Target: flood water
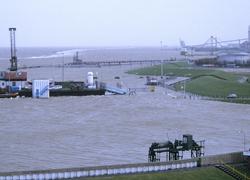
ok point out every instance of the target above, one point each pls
(62, 132)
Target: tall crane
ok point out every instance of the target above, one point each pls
(13, 60)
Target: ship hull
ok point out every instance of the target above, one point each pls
(62, 92)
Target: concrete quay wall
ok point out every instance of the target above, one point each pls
(98, 170)
(236, 157)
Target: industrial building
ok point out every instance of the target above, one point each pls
(234, 58)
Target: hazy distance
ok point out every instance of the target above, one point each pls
(122, 22)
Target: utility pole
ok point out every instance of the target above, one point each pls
(161, 68)
(244, 139)
(63, 68)
(161, 61)
(184, 89)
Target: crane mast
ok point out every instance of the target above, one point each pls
(13, 60)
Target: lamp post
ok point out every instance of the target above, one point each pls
(184, 88)
(244, 139)
(161, 68)
(63, 67)
(161, 59)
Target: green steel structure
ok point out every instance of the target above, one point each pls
(174, 151)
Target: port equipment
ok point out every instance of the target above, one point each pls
(76, 59)
(174, 151)
(13, 60)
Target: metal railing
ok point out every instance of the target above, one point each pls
(234, 170)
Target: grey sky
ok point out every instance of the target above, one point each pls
(121, 22)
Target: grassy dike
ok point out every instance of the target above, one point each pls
(205, 82)
(206, 173)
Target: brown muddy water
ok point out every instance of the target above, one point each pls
(62, 132)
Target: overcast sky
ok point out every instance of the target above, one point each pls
(122, 22)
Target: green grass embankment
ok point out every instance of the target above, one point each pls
(171, 69)
(205, 82)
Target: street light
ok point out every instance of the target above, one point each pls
(63, 68)
(161, 44)
(161, 60)
(184, 89)
(244, 139)
(161, 68)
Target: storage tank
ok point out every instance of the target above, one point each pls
(90, 79)
(40, 88)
